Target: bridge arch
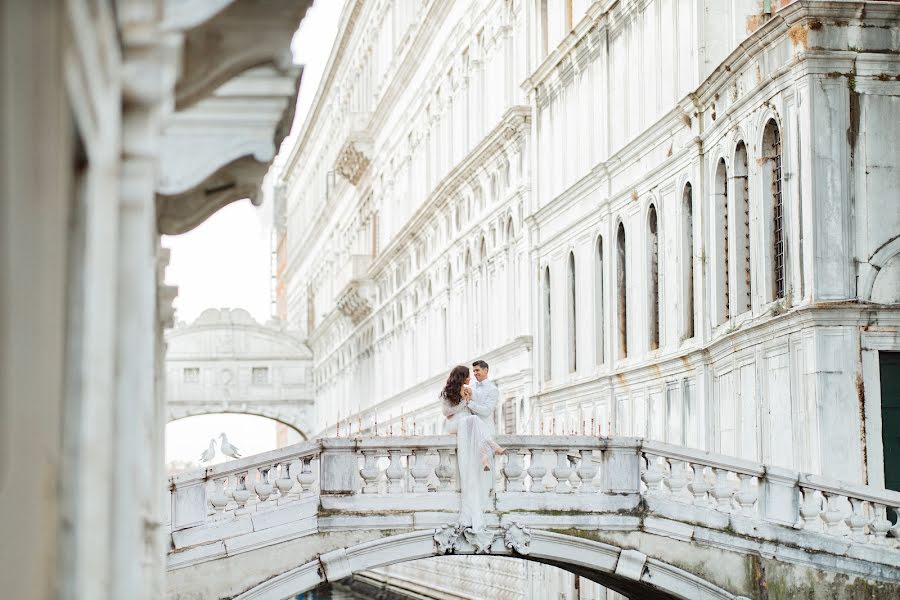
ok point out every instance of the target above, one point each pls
(300, 426)
(626, 571)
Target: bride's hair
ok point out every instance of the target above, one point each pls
(451, 391)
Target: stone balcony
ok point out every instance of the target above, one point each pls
(355, 290)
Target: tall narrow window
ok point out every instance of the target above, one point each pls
(721, 210)
(772, 152)
(653, 287)
(544, 27)
(742, 231)
(621, 296)
(573, 327)
(687, 224)
(568, 15)
(599, 316)
(548, 333)
(374, 235)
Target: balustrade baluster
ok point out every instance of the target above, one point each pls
(677, 479)
(284, 482)
(395, 473)
(880, 524)
(444, 470)
(811, 510)
(241, 494)
(832, 513)
(263, 486)
(722, 490)
(652, 475)
(306, 478)
(587, 471)
(370, 472)
(514, 471)
(895, 530)
(420, 471)
(562, 471)
(857, 520)
(746, 495)
(217, 498)
(537, 470)
(698, 486)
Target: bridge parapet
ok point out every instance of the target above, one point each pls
(538, 473)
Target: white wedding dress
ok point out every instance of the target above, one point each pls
(473, 442)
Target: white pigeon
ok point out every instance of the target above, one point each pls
(228, 449)
(209, 453)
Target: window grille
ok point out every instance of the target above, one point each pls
(777, 214)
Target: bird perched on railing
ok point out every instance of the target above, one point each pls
(209, 453)
(228, 449)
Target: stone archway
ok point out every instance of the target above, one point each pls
(627, 571)
(285, 418)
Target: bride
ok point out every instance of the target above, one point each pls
(475, 447)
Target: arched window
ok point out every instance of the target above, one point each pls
(599, 316)
(548, 333)
(687, 252)
(621, 296)
(573, 327)
(720, 200)
(653, 287)
(742, 229)
(482, 250)
(510, 231)
(772, 190)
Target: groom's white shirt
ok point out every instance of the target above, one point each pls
(484, 401)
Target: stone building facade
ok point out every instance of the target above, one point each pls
(657, 218)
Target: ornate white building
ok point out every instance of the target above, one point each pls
(662, 218)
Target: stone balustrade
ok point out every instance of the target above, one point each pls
(383, 475)
(245, 485)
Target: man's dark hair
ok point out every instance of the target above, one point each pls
(480, 363)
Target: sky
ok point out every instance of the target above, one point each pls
(226, 261)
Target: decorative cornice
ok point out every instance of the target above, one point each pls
(243, 35)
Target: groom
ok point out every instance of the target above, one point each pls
(484, 395)
(483, 403)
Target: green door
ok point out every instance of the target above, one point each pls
(889, 365)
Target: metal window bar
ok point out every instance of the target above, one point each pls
(747, 277)
(777, 216)
(726, 289)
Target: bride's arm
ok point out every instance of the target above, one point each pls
(451, 409)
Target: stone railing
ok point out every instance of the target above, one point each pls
(539, 473)
(245, 485)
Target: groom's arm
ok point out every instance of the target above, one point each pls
(485, 401)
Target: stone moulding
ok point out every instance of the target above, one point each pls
(218, 151)
(242, 35)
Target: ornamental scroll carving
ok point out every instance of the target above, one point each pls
(352, 163)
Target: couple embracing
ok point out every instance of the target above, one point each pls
(470, 415)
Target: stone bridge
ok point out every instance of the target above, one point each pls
(227, 362)
(647, 519)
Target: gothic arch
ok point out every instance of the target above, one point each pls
(628, 571)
